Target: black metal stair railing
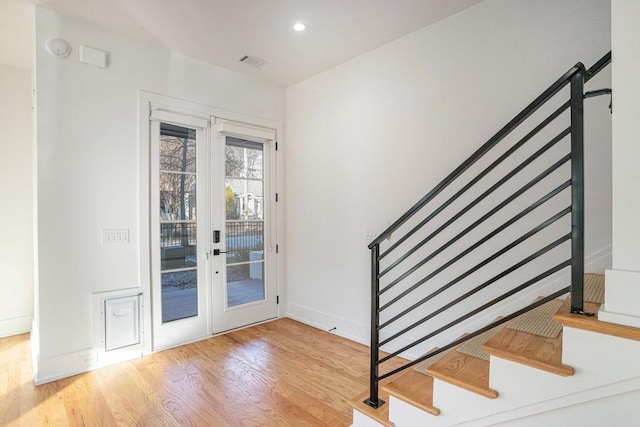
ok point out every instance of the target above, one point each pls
(575, 78)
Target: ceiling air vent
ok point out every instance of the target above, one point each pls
(254, 61)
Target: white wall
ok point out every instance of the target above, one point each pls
(16, 221)
(88, 169)
(623, 280)
(368, 138)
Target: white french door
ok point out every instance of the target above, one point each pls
(245, 225)
(180, 291)
(212, 227)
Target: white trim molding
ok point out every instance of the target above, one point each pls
(621, 296)
(15, 326)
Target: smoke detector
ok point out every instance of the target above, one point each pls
(58, 48)
(254, 61)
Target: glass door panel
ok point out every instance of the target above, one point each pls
(178, 227)
(244, 200)
(179, 292)
(247, 291)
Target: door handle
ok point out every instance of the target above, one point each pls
(218, 252)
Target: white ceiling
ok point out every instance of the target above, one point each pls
(222, 31)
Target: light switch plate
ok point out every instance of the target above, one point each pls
(115, 236)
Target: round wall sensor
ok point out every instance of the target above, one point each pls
(58, 48)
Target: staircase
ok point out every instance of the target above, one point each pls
(519, 375)
(469, 286)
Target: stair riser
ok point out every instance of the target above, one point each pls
(361, 420)
(461, 404)
(404, 414)
(604, 389)
(605, 366)
(542, 398)
(598, 358)
(601, 406)
(523, 385)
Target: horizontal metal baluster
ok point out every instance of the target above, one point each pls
(469, 293)
(484, 307)
(486, 328)
(464, 210)
(481, 175)
(515, 195)
(499, 136)
(521, 214)
(479, 266)
(487, 146)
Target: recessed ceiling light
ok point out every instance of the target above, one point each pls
(299, 26)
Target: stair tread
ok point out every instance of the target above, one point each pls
(414, 388)
(591, 323)
(530, 349)
(472, 373)
(593, 288)
(464, 371)
(380, 414)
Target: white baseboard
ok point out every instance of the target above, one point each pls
(345, 328)
(34, 341)
(62, 366)
(606, 315)
(78, 362)
(15, 326)
(548, 407)
(597, 262)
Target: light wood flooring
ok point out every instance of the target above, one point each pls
(281, 373)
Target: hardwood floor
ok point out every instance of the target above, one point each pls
(281, 373)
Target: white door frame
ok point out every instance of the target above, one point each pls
(195, 327)
(227, 318)
(146, 102)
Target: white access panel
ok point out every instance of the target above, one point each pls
(122, 322)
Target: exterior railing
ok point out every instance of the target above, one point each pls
(240, 235)
(244, 235)
(177, 234)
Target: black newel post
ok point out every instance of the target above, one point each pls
(577, 192)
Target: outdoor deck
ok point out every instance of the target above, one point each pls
(179, 303)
